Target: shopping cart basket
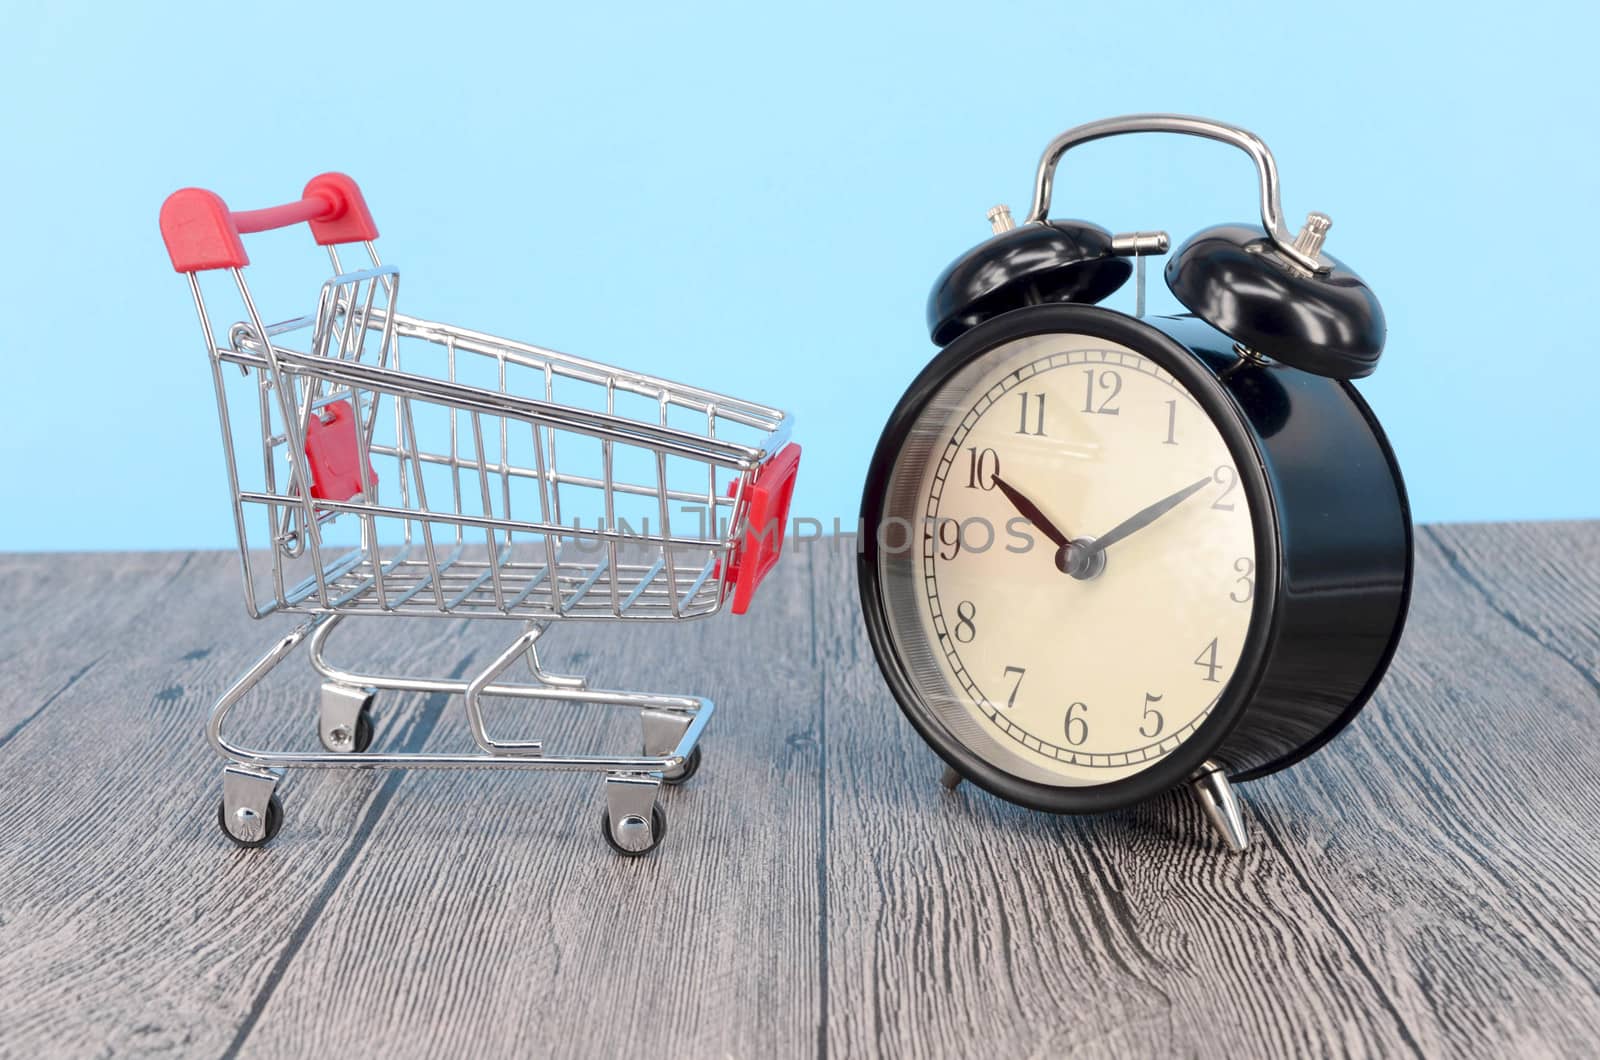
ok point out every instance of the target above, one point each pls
(382, 464)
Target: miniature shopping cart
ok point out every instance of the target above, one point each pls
(381, 464)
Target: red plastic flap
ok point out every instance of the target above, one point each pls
(334, 456)
(201, 233)
(349, 221)
(769, 494)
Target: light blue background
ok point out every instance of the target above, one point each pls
(757, 197)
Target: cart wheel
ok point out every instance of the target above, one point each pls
(691, 766)
(658, 831)
(274, 823)
(360, 734)
(364, 729)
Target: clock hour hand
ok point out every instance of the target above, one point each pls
(1031, 512)
(1144, 517)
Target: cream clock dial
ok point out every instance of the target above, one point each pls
(1087, 557)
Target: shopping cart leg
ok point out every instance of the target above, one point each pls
(344, 710)
(250, 813)
(473, 697)
(665, 720)
(671, 732)
(540, 674)
(633, 821)
(664, 731)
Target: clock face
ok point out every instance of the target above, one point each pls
(1070, 573)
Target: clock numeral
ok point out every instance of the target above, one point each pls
(966, 628)
(1077, 727)
(1038, 420)
(1228, 479)
(1011, 700)
(1150, 715)
(953, 542)
(982, 468)
(1109, 380)
(1246, 567)
(1172, 423)
(1207, 661)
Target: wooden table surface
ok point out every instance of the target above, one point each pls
(1428, 885)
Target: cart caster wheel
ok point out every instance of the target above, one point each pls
(691, 766)
(345, 726)
(274, 823)
(351, 741)
(633, 832)
(364, 730)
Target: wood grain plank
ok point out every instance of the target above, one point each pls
(59, 614)
(1410, 892)
(1541, 577)
(1425, 886)
(1448, 833)
(128, 924)
(960, 923)
(486, 917)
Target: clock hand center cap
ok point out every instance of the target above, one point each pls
(1080, 559)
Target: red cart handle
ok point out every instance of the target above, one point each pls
(768, 494)
(202, 233)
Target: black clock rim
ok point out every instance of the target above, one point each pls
(1355, 706)
(1179, 766)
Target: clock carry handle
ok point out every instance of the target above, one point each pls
(1248, 142)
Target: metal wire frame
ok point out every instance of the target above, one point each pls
(694, 711)
(462, 555)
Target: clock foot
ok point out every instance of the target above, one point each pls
(1217, 799)
(950, 778)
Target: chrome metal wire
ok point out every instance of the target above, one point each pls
(462, 431)
(461, 506)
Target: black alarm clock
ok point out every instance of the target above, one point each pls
(1104, 555)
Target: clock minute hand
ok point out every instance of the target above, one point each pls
(1031, 512)
(1146, 516)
